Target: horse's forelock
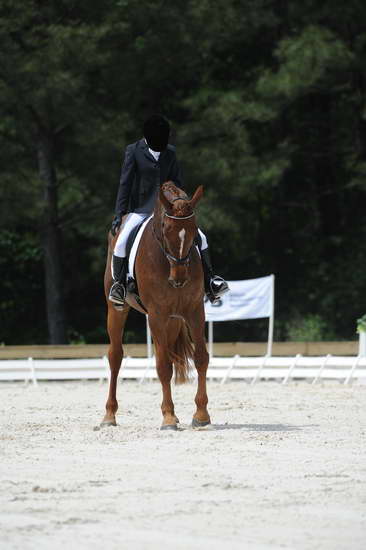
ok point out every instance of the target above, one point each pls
(172, 192)
(182, 208)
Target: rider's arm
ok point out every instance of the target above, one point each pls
(126, 181)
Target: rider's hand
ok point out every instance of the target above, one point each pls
(116, 223)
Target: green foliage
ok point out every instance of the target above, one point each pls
(305, 62)
(361, 324)
(21, 290)
(266, 100)
(311, 328)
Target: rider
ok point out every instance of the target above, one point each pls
(148, 163)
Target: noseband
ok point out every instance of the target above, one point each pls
(179, 217)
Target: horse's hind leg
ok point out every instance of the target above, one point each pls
(201, 359)
(115, 324)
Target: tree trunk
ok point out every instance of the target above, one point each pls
(51, 244)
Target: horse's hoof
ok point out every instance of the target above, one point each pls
(107, 423)
(169, 427)
(200, 423)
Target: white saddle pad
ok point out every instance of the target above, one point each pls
(132, 258)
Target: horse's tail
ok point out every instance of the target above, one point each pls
(182, 355)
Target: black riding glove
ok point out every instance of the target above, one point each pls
(116, 223)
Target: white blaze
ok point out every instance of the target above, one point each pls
(182, 234)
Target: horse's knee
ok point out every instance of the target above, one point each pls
(115, 358)
(115, 354)
(201, 362)
(165, 372)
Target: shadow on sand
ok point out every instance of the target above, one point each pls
(259, 427)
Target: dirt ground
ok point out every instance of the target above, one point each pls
(282, 467)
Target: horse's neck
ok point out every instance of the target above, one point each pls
(157, 219)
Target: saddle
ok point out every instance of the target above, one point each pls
(131, 238)
(131, 250)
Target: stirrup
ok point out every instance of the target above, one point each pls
(117, 294)
(218, 286)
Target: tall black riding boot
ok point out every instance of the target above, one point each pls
(215, 286)
(117, 294)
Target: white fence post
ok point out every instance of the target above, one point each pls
(271, 319)
(148, 338)
(33, 371)
(149, 365)
(362, 343)
(106, 369)
(257, 374)
(289, 372)
(230, 368)
(354, 367)
(125, 361)
(210, 339)
(321, 368)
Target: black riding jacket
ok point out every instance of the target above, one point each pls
(142, 176)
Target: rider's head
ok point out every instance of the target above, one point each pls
(156, 132)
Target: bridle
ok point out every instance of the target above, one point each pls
(179, 217)
(170, 257)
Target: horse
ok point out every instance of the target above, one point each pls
(169, 277)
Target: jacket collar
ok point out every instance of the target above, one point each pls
(145, 148)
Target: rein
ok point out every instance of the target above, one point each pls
(179, 261)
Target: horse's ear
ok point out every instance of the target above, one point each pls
(164, 201)
(196, 197)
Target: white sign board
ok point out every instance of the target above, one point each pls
(248, 299)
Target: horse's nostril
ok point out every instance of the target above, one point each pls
(180, 284)
(177, 284)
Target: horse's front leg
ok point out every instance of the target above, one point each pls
(115, 324)
(201, 358)
(164, 368)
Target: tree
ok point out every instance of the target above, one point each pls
(47, 76)
(267, 101)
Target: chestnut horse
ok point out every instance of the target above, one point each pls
(169, 276)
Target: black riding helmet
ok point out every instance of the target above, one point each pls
(156, 132)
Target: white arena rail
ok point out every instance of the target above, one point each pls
(252, 369)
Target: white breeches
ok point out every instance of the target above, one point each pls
(203, 240)
(132, 221)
